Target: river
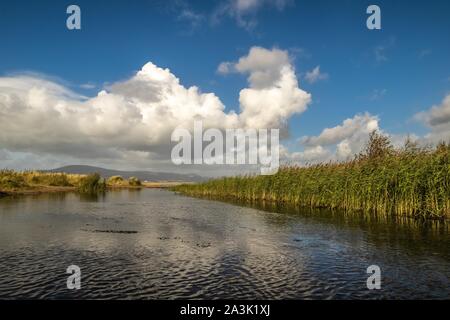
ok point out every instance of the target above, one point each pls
(155, 244)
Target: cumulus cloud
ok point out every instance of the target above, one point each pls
(359, 124)
(343, 141)
(273, 88)
(311, 155)
(226, 68)
(340, 142)
(437, 118)
(131, 121)
(263, 66)
(315, 75)
(437, 115)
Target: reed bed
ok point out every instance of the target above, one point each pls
(29, 180)
(410, 181)
(11, 180)
(119, 181)
(92, 183)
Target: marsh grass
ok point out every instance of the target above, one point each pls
(133, 181)
(118, 181)
(18, 180)
(29, 180)
(92, 183)
(410, 181)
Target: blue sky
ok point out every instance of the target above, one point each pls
(394, 73)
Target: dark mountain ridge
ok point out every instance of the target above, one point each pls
(142, 175)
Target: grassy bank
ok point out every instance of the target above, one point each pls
(410, 181)
(14, 182)
(29, 181)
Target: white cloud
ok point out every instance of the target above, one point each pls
(437, 115)
(311, 155)
(244, 11)
(225, 68)
(193, 18)
(274, 94)
(131, 121)
(437, 118)
(340, 142)
(344, 141)
(315, 75)
(264, 66)
(243, 6)
(359, 124)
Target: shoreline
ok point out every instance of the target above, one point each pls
(53, 189)
(36, 190)
(278, 206)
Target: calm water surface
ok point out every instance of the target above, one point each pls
(154, 244)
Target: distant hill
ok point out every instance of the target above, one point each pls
(142, 175)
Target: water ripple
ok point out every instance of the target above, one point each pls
(163, 246)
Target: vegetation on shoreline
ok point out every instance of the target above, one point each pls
(11, 180)
(92, 183)
(118, 181)
(29, 181)
(410, 181)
